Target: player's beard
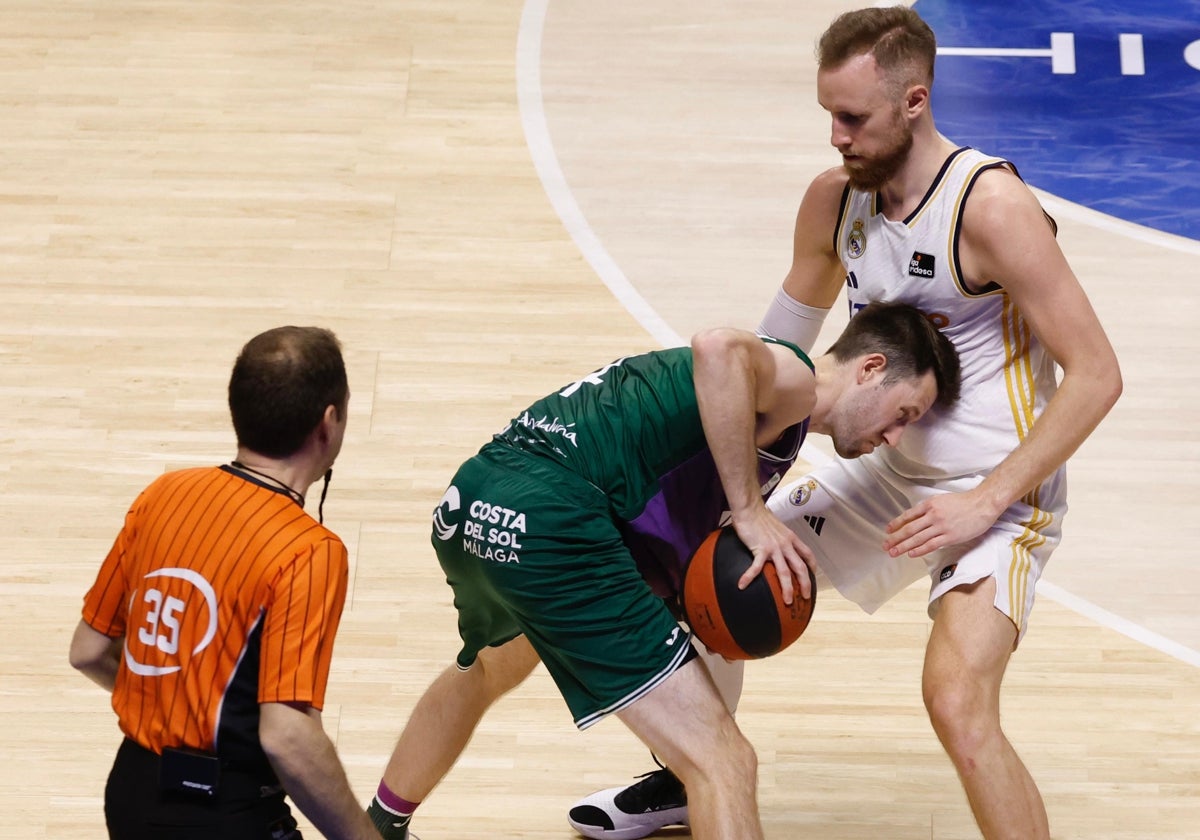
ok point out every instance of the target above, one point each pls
(850, 449)
(849, 424)
(868, 174)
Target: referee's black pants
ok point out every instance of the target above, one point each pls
(248, 805)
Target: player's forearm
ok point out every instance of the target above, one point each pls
(308, 767)
(725, 393)
(1082, 401)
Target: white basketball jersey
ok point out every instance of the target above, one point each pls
(1007, 377)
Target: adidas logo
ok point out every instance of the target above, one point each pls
(816, 523)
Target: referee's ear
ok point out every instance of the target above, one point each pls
(331, 430)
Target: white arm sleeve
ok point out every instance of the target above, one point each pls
(791, 320)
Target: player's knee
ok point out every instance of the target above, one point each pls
(747, 759)
(946, 701)
(502, 669)
(741, 754)
(962, 715)
(729, 762)
(736, 754)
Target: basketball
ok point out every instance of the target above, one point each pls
(737, 623)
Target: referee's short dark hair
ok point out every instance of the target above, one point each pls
(282, 382)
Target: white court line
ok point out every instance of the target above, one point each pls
(1122, 625)
(545, 161)
(1056, 206)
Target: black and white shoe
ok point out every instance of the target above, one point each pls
(637, 810)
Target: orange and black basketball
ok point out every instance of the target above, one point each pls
(737, 623)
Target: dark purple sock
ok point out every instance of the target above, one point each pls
(395, 804)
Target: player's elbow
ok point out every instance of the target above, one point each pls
(1116, 389)
(1109, 387)
(1099, 382)
(715, 342)
(723, 349)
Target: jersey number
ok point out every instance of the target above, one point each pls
(591, 379)
(163, 615)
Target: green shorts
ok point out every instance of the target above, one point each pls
(532, 548)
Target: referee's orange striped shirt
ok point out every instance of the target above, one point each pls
(228, 595)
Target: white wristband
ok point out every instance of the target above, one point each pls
(790, 320)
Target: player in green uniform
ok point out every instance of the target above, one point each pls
(563, 535)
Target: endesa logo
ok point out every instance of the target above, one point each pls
(921, 265)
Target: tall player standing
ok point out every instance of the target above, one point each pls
(975, 496)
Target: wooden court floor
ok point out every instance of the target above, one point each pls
(179, 176)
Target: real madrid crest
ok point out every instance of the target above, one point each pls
(801, 493)
(856, 242)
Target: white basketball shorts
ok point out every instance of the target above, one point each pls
(841, 510)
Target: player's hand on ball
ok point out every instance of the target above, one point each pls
(736, 620)
(772, 541)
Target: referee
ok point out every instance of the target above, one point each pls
(212, 620)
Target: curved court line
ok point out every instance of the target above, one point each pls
(1056, 206)
(545, 161)
(1122, 625)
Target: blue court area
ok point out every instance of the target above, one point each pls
(1095, 101)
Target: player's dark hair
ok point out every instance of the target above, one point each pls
(911, 343)
(282, 382)
(903, 45)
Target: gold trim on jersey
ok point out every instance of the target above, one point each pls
(1022, 557)
(1018, 369)
(1018, 378)
(843, 223)
(952, 234)
(938, 185)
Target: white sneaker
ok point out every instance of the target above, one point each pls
(628, 813)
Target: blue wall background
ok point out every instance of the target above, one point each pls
(1126, 145)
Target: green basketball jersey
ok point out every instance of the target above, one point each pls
(628, 426)
(620, 428)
